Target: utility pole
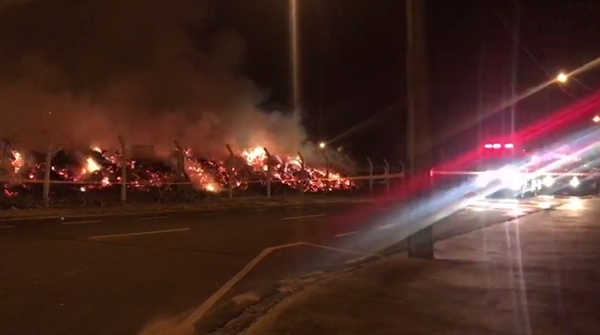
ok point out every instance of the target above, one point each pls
(514, 68)
(480, 101)
(420, 245)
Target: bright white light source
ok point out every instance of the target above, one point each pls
(574, 182)
(515, 213)
(497, 146)
(322, 145)
(509, 145)
(545, 205)
(548, 181)
(574, 204)
(511, 178)
(488, 146)
(485, 178)
(562, 78)
(596, 119)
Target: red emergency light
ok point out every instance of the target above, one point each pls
(498, 146)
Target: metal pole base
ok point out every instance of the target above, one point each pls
(420, 244)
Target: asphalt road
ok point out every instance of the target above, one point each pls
(114, 275)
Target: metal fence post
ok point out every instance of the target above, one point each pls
(3, 155)
(403, 167)
(370, 175)
(327, 181)
(181, 174)
(123, 169)
(387, 175)
(47, 167)
(231, 170)
(303, 171)
(268, 172)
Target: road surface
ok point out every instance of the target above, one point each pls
(114, 275)
(538, 274)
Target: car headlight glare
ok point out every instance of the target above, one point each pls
(574, 182)
(548, 181)
(485, 178)
(511, 178)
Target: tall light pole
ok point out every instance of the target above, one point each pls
(294, 55)
(418, 127)
(420, 245)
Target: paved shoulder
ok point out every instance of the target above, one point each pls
(535, 275)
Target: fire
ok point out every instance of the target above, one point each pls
(92, 166)
(18, 162)
(199, 177)
(250, 169)
(255, 156)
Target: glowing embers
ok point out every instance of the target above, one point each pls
(252, 168)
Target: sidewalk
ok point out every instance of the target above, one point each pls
(538, 275)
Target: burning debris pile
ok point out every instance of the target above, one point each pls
(96, 169)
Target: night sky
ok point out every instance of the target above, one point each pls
(352, 56)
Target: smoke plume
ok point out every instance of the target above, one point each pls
(81, 73)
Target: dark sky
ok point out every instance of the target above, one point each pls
(352, 57)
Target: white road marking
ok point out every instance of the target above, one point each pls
(81, 222)
(259, 210)
(509, 207)
(210, 302)
(214, 213)
(6, 226)
(345, 234)
(359, 259)
(303, 217)
(516, 213)
(140, 233)
(154, 218)
(387, 226)
(347, 251)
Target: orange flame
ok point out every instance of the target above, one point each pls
(92, 166)
(18, 162)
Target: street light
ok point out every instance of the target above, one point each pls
(562, 78)
(322, 145)
(596, 119)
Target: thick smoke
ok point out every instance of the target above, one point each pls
(81, 73)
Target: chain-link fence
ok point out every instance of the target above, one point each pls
(97, 178)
